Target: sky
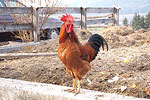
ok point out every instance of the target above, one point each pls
(80, 3)
(76, 3)
(85, 3)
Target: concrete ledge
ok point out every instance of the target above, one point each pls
(8, 48)
(11, 89)
(17, 47)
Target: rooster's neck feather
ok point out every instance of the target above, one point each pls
(63, 35)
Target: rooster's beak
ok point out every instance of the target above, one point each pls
(69, 27)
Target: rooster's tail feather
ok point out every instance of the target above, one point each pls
(96, 41)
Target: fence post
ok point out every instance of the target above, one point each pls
(116, 16)
(35, 22)
(83, 18)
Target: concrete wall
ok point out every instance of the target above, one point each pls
(11, 89)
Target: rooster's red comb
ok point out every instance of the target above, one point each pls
(66, 17)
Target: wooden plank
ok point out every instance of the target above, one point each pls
(116, 16)
(99, 10)
(97, 26)
(71, 10)
(77, 10)
(14, 27)
(83, 18)
(99, 21)
(92, 17)
(48, 25)
(61, 10)
(36, 26)
(15, 10)
(103, 16)
(10, 55)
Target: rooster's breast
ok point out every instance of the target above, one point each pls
(69, 53)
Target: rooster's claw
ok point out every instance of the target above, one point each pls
(70, 90)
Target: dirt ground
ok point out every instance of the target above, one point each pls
(124, 69)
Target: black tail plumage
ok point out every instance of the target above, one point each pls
(96, 41)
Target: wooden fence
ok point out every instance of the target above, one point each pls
(84, 21)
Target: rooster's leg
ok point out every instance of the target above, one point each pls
(78, 90)
(74, 86)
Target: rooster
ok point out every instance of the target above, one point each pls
(76, 56)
